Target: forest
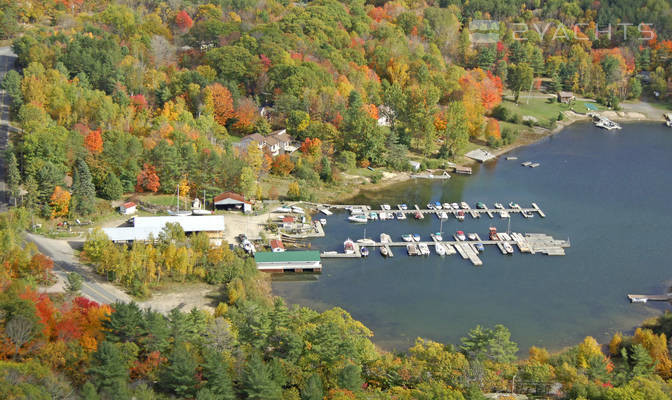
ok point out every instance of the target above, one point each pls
(112, 98)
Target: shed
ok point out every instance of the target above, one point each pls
(277, 246)
(415, 165)
(128, 208)
(232, 201)
(462, 170)
(289, 261)
(565, 97)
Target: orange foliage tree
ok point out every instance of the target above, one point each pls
(222, 103)
(183, 21)
(245, 114)
(148, 179)
(492, 129)
(94, 141)
(282, 165)
(372, 111)
(59, 202)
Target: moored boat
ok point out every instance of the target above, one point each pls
(418, 215)
(424, 249)
(358, 218)
(323, 221)
(493, 233)
(364, 251)
(508, 248)
(460, 215)
(459, 235)
(499, 206)
(455, 206)
(416, 237)
(479, 246)
(472, 236)
(404, 206)
(437, 237)
(383, 251)
(401, 215)
(349, 246)
(442, 215)
(407, 237)
(504, 214)
(368, 241)
(440, 250)
(412, 249)
(481, 205)
(514, 205)
(464, 205)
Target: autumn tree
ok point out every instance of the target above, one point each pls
(282, 165)
(148, 179)
(221, 103)
(94, 141)
(59, 202)
(183, 21)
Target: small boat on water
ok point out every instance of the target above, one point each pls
(481, 205)
(508, 248)
(437, 237)
(364, 251)
(349, 246)
(511, 158)
(472, 236)
(526, 163)
(358, 218)
(442, 215)
(412, 249)
(323, 221)
(504, 214)
(479, 246)
(424, 249)
(493, 233)
(437, 205)
(464, 205)
(386, 207)
(383, 251)
(499, 206)
(407, 237)
(455, 206)
(404, 206)
(416, 237)
(418, 215)
(440, 250)
(401, 215)
(460, 215)
(459, 235)
(514, 205)
(527, 214)
(367, 241)
(668, 119)
(385, 238)
(447, 206)
(373, 216)
(534, 165)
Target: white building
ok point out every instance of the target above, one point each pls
(128, 208)
(145, 227)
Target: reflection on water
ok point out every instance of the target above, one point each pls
(609, 193)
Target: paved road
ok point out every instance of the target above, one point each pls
(7, 60)
(65, 261)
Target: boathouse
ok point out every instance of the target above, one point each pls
(232, 201)
(566, 97)
(288, 261)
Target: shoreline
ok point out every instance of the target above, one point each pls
(629, 113)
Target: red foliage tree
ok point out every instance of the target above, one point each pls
(183, 21)
(94, 141)
(139, 102)
(148, 179)
(282, 165)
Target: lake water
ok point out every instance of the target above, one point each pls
(609, 193)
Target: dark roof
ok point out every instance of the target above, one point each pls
(271, 140)
(287, 256)
(230, 195)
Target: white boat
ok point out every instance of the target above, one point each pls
(416, 237)
(526, 163)
(472, 236)
(407, 237)
(455, 206)
(464, 205)
(403, 206)
(412, 249)
(460, 215)
(359, 218)
(349, 246)
(424, 249)
(383, 251)
(447, 206)
(373, 216)
(605, 123)
(283, 210)
(298, 210)
(201, 212)
(499, 206)
(459, 235)
(440, 250)
(508, 248)
(534, 165)
(514, 205)
(385, 238)
(323, 221)
(504, 214)
(386, 207)
(364, 252)
(366, 241)
(668, 119)
(638, 300)
(437, 237)
(401, 215)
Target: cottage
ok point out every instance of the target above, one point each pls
(288, 261)
(566, 97)
(128, 208)
(283, 141)
(288, 222)
(277, 246)
(232, 201)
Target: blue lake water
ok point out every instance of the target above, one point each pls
(609, 193)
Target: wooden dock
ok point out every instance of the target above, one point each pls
(643, 298)
(528, 243)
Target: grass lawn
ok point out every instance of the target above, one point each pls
(543, 110)
(161, 199)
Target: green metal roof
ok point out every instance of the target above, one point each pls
(287, 256)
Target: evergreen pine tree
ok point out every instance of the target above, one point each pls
(89, 392)
(108, 370)
(350, 377)
(179, 376)
(313, 389)
(219, 381)
(257, 381)
(13, 176)
(83, 190)
(111, 189)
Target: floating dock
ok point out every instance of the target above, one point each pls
(643, 298)
(532, 243)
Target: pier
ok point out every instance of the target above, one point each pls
(528, 243)
(643, 298)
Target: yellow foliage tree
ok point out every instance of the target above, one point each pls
(59, 202)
